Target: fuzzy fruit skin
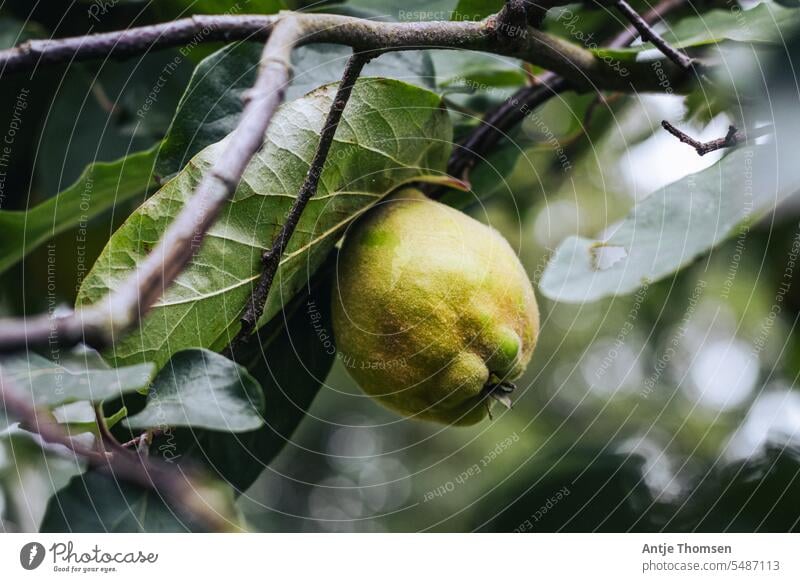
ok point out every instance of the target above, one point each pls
(429, 304)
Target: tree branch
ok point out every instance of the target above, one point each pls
(650, 17)
(272, 257)
(495, 125)
(584, 70)
(733, 138)
(647, 32)
(512, 22)
(99, 324)
(179, 487)
(134, 41)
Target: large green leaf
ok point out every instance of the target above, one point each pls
(212, 104)
(671, 227)
(757, 25)
(97, 502)
(78, 376)
(202, 390)
(391, 133)
(102, 186)
(290, 359)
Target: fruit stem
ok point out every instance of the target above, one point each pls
(499, 391)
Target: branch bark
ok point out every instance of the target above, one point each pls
(99, 324)
(272, 257)
(134, 41)
(577, 64)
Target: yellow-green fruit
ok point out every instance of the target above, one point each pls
(431, 309)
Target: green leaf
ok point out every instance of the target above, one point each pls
(489, 175)
(392, 133)
(474, 79)
(121, 109)
(102, 186)
(290, 359)
(476, 9)
(75, 377)
(703, 106)
(203, 390)
(391, 10)
(757, 25)
(319, 64)
(184, 8)
(96, 502)
(212, 104)
(31, 471)
(670, 228)
(476, 71)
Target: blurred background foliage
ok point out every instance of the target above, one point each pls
(674, 408)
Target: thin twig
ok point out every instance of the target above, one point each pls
(679, 58)
(179, 486)
(272, 257)
(99, 324)
(652, 16)
(733, 138)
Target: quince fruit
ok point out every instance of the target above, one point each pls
(433, 314)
